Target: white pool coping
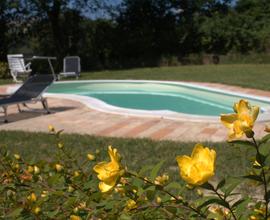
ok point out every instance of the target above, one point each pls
(101, 106)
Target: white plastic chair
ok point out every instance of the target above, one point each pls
(17, 66)
(71, 67)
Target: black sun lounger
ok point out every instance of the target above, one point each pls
(30, 91)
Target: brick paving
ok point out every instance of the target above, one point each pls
(74, 117)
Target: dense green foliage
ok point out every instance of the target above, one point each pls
(135, 32)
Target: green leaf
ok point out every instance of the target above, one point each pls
(231, 185)
(174, 185)
(109, 205)
(265, 139)
(208, 202)
(150, 194)
(52, 214)
(215, 216)
(15, 213)
(240, 201)
(267, 196)
(221, 184)
(137, 182)
(208, 186)
(215, 201)
(58, 133)
(260, 158)
(242, 143)
(155, 170)
(242, 210)
(254, 177)
(171, 209)
(144, 170)
(125, 217)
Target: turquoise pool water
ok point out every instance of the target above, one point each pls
(155, 96)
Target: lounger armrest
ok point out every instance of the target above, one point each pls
(27, 66)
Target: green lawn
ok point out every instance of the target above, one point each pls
(246, 75)
(135, 152)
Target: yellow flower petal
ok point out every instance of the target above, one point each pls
(105, 187)
(228, 119)
(109, 172)
(198, 168)
(242, 121)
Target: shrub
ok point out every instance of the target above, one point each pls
(4, 71)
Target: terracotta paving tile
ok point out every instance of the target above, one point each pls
(209, 131)
(110, 129)
(163, 132)
(141, 128)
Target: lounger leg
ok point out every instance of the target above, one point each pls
(45, 105)
(5, 113)
(19, 108)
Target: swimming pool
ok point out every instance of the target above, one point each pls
(156, 98)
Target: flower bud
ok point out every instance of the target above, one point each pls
(76, 173)
(36, 210)
(76, 209)
(51, 129)
(161, 180)
(30, 169)
(82, 205)
(60, 145)
(75, 217)
(158, 200)
(17, 156)
(130, 204)
(36, 170)
(199, 192)
(59, 167)
(32, 197)
(44, 194)
(91, 157)
(70, 189)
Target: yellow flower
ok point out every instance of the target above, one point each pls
(110, 172)
(58, 167)
(242, 121)
(91, 157)
(161, 180)
(130, 204)
(199, 168)
(75, 217)
(32, 197)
